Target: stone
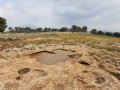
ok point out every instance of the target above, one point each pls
(84, 62)
(15, 49)
(116, 74)
(23, 70)
(6, 50)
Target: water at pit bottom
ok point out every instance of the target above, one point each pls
(52, 58)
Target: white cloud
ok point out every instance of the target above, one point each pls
(7, 10)
(103, 14)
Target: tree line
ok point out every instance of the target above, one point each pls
(73, 28)
(100, 32)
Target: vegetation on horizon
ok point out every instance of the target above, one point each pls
(100, 32)
(73, 28)
(23, 36)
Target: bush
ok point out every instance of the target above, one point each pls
(63, 29)
(100, 33)
(116, 34)
(94, 31)
(108, 34)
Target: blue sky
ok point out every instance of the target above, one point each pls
(102, 15)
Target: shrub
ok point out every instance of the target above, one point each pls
(100, 32)
(94, 31)
(116, 34)
(108, 34)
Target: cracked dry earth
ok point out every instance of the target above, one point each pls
(88, 69)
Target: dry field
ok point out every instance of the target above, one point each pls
(9, 40)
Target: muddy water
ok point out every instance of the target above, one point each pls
(52, 58)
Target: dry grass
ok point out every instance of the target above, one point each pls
(18, 40)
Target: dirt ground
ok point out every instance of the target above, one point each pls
(90, 68)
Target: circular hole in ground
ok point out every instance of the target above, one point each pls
(49, 58)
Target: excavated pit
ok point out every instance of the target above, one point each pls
(54, 57)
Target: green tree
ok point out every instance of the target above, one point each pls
(54, 30)
(84, 28)
(116, 34)
(100, 32)
(3, 24)
(94, 31)
(75, 28)
(63, 29)
(10, 28)
(39, 30)
(108, 33)
(45, 29)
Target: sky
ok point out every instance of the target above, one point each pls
(95, 14)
